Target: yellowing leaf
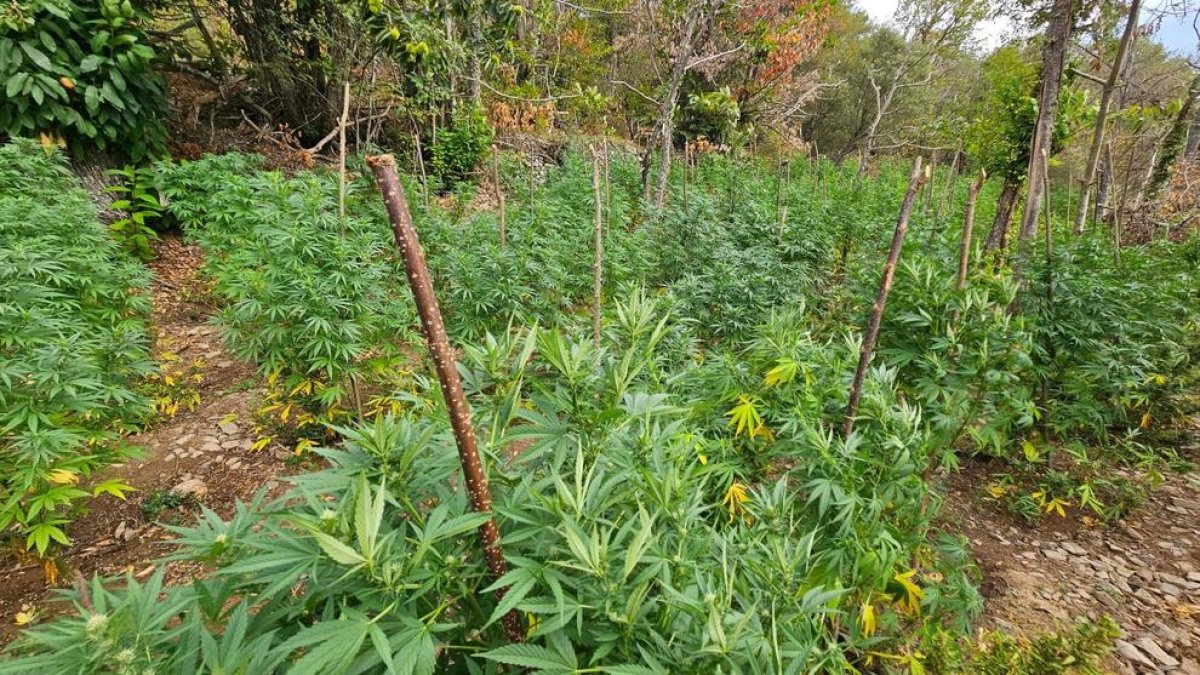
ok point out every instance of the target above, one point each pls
(26, 616)
(304, 445)
(744, 416)
(261, 443)
(1145, 424)
(1031, 451)
(996, 490)
(67, 82)
(735, 500)
(911, 593)
(866, 619)
(784, 371)
(1056, 505)
(63, 477)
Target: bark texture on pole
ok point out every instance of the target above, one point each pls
(597, 262)
(915, 180)
(1089, 171)
(1054, 56)
(384, 168)
(964, 248)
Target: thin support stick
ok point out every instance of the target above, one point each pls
(342, 156)
(964, 247)
(597, 279)
(421, 165)
(607, 187)
(499, 197)
(384, 168)
(915, 181)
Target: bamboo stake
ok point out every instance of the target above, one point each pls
(964, 248)
(384, 168)
(342, 156)
(915, 181)
(597, 279)
(499, 196)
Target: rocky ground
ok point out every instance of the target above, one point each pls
(1143, 571)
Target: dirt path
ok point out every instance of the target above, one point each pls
(1143, 571)
(201, 456)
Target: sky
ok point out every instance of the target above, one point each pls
(1176, 33)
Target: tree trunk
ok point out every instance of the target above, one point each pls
(915, 179)
(1054, 54)
(474, 47)
(998, 238)
(1193, 142)
(695, 22)
(384, 168)
(1173, 143)
(1103, 183)
(1089, 171)
(882, 103)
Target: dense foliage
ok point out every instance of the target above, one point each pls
(72, 346)
(679, 496)
(80, 71)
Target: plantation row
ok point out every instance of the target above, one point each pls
(73, 347)
(677, 497)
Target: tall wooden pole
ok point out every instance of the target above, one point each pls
(384, 168)
(342, 121)
(598, 236)
(915, 180)
(499, 196)
(964, 247)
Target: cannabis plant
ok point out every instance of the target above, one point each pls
(73, 346)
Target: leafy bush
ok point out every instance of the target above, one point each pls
(138, 198)
(82, 71)
(72, 317)
(461, 147)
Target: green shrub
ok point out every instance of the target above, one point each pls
(82, 71)
(461, 147)
(73, 326)
(138, 199)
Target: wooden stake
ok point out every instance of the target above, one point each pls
(781, 209)
(607, 188)
(421, 165)
(915, 180)
(499, 196)
(687, 161)
(342, 121)
(597, 280)
(384, 168)
(964, 247)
